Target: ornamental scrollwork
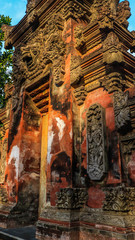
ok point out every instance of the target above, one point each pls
(121, 110)
(96, 143)
(71, 198)
(119, 199)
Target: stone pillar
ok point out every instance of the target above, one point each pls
(43, 164)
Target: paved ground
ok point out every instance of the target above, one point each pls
(25, 233)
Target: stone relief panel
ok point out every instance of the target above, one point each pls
(45, 50)
(119, 199)
(96, 142)
(107, 10)
(121, 110)
(123, 13)
(112, 49)
(71, 198)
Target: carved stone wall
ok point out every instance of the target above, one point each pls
(69, 198)
(96, 150)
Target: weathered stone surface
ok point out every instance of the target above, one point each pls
(69, 198)
(96, 159)
(120, 199)
(122, 111)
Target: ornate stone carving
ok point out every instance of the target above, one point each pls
(79, 37)
(107, 10)
(75, 10)
(113, 82)
(121, 110)
(19, 69)
(76, 70)
(96, 158)
(71, 198)
(105, 23)
(119, 199)
(2, 130)
(76, 79)
(103, 10)
(32, 17)
(80, 94)
(45, 50)
(30, 5)
(127, 145)
(123, 13)
(32, 14)
(112, 49)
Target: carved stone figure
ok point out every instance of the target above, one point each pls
(75, 10)
(71, 198)
(121, 110)
(123, 13)
(112, 49)
(96, 159)
(46, 50)
(100, 9)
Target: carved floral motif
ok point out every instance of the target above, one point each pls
(108, 10)
(71, 198)
(46, 49)
(121, 110)
(102, 9)
(119, 199)
(96, 160)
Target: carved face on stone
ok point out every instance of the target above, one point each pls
(30, 55)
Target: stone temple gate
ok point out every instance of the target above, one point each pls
(67, 154)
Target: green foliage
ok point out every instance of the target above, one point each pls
(5, 61)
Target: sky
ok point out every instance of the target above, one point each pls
(15, 9)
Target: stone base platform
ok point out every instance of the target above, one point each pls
(85, 224)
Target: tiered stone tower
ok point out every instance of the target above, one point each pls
(68, 128)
